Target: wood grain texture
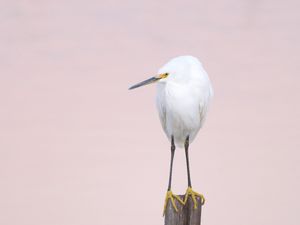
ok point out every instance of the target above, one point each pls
(186, 214)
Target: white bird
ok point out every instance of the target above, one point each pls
(183, 96)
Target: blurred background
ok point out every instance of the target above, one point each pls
(77, 148)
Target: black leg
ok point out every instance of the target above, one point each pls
(186, 147)
(171, 163)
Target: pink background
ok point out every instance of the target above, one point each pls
(77, 148)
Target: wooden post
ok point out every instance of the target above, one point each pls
(186, 214)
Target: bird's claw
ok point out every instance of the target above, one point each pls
(193, 194)
(172, 197)
(189, 192)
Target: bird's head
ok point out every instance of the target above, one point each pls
(177, 70)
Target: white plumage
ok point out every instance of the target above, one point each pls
(183, 95)
(183, 98)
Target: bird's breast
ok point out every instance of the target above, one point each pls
(179, 112)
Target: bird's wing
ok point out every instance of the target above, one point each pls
(204, 105)
(161, 107)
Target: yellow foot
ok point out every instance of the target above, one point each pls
(193, 194)
(172, 197)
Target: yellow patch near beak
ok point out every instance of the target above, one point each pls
(163, 75)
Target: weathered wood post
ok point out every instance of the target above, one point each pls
(186, 214)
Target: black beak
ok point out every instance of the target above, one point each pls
(145, 82)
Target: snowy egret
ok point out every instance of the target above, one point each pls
(183, 95)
